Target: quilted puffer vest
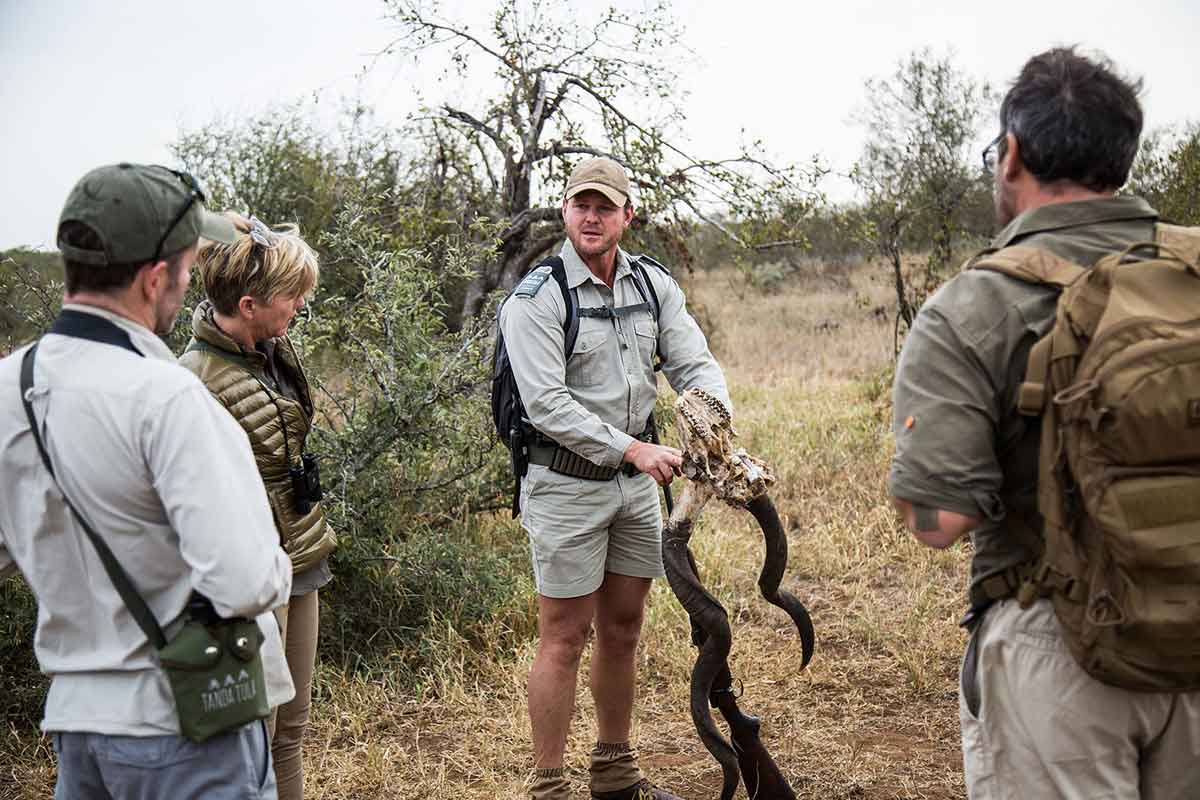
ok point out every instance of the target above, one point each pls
(239, 379)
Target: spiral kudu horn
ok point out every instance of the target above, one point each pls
(714, 467)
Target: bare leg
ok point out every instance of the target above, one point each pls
(620, 608)
(563, 632)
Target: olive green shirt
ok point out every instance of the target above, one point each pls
(597, 401)
(961, 444)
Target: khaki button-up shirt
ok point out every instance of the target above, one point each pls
(596, 403)
(166, 477)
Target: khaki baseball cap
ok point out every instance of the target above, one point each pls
(140, 212)
(601, 175)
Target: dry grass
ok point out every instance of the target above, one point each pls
(874, 715)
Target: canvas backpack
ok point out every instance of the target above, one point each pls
(508, 412)
(1116, 383)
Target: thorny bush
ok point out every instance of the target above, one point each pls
(406, 451)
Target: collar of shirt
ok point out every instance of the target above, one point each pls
(205, 329)
(1055, 216)
(143, 338)
(578, 272)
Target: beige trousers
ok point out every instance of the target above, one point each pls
(1038, 726)
(298, 622)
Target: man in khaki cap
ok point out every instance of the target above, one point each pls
(165, 479)
(590, 497)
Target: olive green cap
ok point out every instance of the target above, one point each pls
(136, 211)
(600, 175)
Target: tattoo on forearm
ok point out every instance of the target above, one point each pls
(926, 518)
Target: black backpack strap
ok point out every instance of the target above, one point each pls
(133, 601)
(570, 296)
(650, 295)
(652, 262)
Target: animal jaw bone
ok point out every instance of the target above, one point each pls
(706, 438)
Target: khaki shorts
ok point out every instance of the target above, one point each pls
(1038, 726)
(580, 529)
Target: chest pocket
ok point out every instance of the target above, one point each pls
(646, 331)
(585, 367)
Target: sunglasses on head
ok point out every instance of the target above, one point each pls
(195, 192)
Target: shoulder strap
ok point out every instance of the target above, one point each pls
(651, 297)
(1029, 264)
(571, 296)
(558, 271)
(645, 259)
(1180, 240)
(648, 294)
(133, 601)
(1037, 266)
(94, 328)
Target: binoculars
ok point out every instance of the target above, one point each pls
(306, 483)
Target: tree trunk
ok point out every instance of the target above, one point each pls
(506, 269)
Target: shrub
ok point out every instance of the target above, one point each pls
(408, 454)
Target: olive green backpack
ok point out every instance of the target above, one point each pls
(1116, 382)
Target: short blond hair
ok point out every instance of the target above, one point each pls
(285, 265)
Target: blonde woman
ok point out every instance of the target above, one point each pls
(241, 351)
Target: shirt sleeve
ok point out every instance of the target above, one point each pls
(687, 361)
(945, 417)
(206, 478)
(533, 336)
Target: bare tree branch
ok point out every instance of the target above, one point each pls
(559, 149)
(522, 221)
(534, 248)
(485, 129)
(418, 21)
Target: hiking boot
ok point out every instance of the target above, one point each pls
(642, 790)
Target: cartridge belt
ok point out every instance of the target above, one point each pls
(547, 453)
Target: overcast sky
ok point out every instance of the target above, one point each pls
(83, 82)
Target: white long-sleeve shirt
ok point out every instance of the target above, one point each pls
(166, 477)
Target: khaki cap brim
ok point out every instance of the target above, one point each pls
(217, 228)
(604, 189)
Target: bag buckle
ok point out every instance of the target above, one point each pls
(1031, 399)
(1103, 611)
(1031, 589)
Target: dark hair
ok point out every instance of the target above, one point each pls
(1076, 119)
(80, 277)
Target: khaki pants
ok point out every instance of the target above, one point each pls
(1038, 726)
(298, 622)
(234, 765)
